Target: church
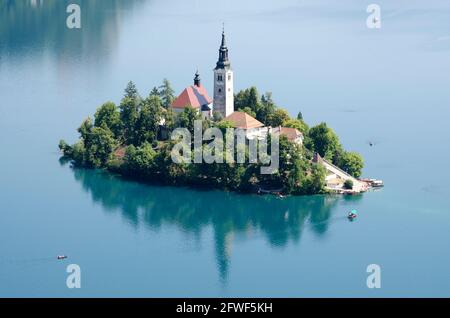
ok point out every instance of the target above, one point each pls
(197, 97)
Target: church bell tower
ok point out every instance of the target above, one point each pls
(223, 82)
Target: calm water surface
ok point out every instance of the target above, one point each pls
(389, 86)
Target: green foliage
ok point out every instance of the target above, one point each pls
(300, 116)
(324, 141)
(86, 128)
(298, 124)
(277, 118)
(249, 111)
(351, 162)
(290, 164)
(98, 147)
(65, 148)
(247, 99)
(129, 114)
(169, 118)
(262, 107)
(136, 126)
(187, 117)
(224, 124)
(131, 91)
(108, 117)
(78, 153)
(314, 181)
(168, 171)
(267, 107)
(140, 160)
(154, 91)
(147, 125)
(95, 146)
(166, 93)
(348, 184)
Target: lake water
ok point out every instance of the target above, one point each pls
(388, 85)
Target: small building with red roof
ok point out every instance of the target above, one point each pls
(252, 127)
(194, 96)
(292, 134)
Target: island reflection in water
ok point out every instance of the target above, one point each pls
(37, 27)
(279, 221)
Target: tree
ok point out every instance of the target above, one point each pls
(249, 111)
(99, 147)
(85, 129)
(300, 116)
(224, 124)
(316, 180)
(187, 117)
(277, 118)
(166, 93)
(65, 148)
(131, 91)
(267, 107)
(247, 98)
(348, 184)
(108, 116)
(147, 124)
(154, 91)
(169, 118)
(324, 141)
(291, 165)
(78, 153)
(129, 114)
(262, 108)
(351, 162)
(288, 173)
(140, 161)
(253, 99)
(298, 124)
(169, 171)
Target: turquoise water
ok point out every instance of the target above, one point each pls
(389, 86)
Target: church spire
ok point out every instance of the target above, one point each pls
(223, 61)
(223, 102)
(197, 79)
(223, 37)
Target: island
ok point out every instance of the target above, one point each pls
(135, 140)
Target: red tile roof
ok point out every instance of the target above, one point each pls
(120, 152)
(194, 96)
(243, 120)
(290, 133)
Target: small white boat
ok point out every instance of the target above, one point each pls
(377, 183)
(61, 257)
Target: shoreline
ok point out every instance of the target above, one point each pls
(255, 190)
